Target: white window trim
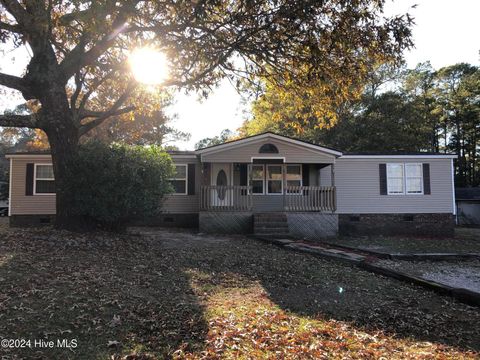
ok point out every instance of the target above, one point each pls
(282, 166)
(286, 179)
(421, 178)
(186, 180)
(35, 178)
(404, 179)
(250, 179)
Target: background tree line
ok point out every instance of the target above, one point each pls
(399, 109)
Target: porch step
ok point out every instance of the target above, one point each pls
(270, 224)
(271, 232)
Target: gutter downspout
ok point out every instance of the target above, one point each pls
(454, 206)
(10, 189)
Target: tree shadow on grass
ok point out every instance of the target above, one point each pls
(112, 295)
(318, 288)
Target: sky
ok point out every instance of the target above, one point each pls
(446, 32)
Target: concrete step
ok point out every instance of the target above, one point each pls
(267, 231)
(271, 228)
(270, 224)
(270, 216)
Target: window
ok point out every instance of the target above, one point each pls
(404, 179)
(274, 179)
(395, 179)
(294, 178)
(256, 179)
(268, 149)
(44, 180)
(179, 181)
(414, 178)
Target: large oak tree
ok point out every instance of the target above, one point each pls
(79, 52)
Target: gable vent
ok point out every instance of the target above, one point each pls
(268, 149)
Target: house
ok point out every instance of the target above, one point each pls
(269, 183)
(468, 206)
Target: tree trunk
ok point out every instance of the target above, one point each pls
(63, 137)
(63, 149)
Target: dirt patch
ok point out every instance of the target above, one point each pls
(458, 274)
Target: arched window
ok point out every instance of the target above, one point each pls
(268, 149)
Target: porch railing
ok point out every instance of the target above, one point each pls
(310, 198)
(295, 198)
(225, 198)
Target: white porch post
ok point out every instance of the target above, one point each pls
(332, 168)
(334, 189)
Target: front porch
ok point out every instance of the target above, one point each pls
(268, 199)
(268, 186)
(292, 199)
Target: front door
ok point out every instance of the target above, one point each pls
(222, 195)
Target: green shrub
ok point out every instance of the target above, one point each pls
(111, 185)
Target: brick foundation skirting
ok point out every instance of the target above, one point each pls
(312, 226)
(162, 220)
(31, 220)
(188, 221)
(436, 225)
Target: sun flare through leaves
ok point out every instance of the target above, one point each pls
(149, 66)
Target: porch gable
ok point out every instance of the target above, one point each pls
(249, 150)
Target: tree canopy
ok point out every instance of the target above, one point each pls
(426, 110)
(223, 137)
(78, 74)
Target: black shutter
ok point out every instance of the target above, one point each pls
(426, 179)
(306, 174)
(29, 179)
(191, 179)
(383, 178)
(243, 175)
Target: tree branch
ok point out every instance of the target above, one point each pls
(78, 89)
(114, 111)
(98, 114)
(17, 83)
(12, 120)
(94, 86)
(101, 117)
(18, 11)
(78, 57)
(10, 27)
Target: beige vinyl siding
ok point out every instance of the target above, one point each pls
(21, 204)
(45, 204)
(326, 176)
(184, 204)
(292, 153)
(358, 188)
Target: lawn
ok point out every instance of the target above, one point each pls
(191, 296)
(466, 240)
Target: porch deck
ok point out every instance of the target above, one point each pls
(293, 199)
